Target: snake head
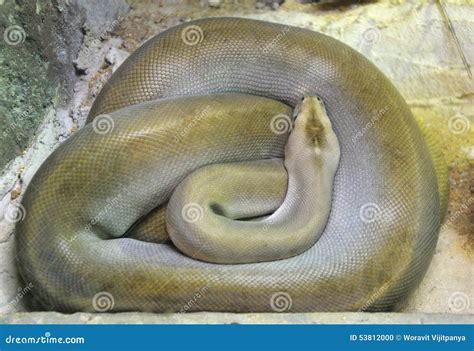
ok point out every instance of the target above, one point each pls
(312, 117)
(313, 127)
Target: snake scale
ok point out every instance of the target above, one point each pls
(98, 193)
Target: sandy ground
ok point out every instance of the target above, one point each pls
(408, 41)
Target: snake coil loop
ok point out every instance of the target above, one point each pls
(98, 193)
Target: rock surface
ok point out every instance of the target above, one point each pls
(236, 318)
(41, 39)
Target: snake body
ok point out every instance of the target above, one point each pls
(90, 196)
(311, 159)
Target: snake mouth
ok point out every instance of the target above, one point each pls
(311, 116)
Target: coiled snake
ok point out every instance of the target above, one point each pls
(203, 94)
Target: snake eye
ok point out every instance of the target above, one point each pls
(297, 109)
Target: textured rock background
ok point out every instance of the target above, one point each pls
(408, 40)
(41, 40)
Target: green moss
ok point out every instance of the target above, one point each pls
(25, 90)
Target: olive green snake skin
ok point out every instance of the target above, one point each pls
(205, 93)
(223, 195)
